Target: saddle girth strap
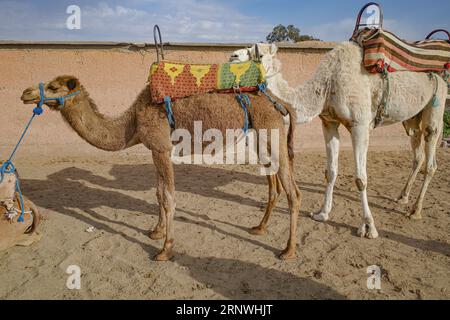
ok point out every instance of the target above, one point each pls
(245, 103)
(169, 112)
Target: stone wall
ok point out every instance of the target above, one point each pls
(114, 73)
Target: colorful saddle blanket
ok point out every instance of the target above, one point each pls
(179, 80)
(383, 47)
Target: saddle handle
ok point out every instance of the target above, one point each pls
(437, 31)
(358, 20)
(158, 45)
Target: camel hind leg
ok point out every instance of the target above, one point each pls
(294, 206)
(160, 230)
(287, 181)
(432, 124)
(275, 189)
(279, 166)
(417, 143)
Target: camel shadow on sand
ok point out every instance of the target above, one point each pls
(241, 280)
(65, 184)
(68, 192)
(249, 280)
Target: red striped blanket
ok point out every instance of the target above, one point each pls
(382, 48)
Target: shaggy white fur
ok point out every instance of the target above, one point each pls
(343, 92)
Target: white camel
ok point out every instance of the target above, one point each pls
(343, 92)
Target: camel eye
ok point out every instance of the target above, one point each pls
(52, 87)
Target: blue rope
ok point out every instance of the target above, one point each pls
(21, 137)
(170, 116)
(8, 166)
(262, 87)
(244, 101)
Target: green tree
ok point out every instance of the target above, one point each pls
(287, 34)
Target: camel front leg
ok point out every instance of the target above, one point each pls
(332, 139)
(164, 167)
(360, 140)
(275, 190)
(160, 230)
(417, 144)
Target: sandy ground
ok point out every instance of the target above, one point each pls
(216, 258)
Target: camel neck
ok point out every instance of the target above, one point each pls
(307, 99)
(103, 132)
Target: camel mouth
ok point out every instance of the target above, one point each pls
(27, 98)
(33, 101)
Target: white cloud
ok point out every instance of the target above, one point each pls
(180, 20)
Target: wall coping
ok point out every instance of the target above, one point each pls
(106, 45)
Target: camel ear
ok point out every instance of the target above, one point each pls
(273, 49)
(72, 84)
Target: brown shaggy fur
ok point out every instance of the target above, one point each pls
(147, 123)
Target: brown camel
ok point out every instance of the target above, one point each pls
(146, 123)
(12, 232)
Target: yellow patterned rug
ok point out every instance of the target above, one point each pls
(179, 80)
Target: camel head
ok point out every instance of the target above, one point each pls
(241, 55)
(60, 87)
(267, 54)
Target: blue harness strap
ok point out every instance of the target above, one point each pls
(262, 87)
(244, 101)
(61, 100)
(170, 116)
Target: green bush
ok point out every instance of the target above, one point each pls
(447, 124)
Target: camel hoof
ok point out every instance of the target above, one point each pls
(416, 216)
(321, 217)
(368, 232)
(156, 235)
(164, 255)
(258, 231)
(288, 255)
(402, 200)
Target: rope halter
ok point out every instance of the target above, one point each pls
(61, 100)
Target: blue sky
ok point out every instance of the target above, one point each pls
(210, 21)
